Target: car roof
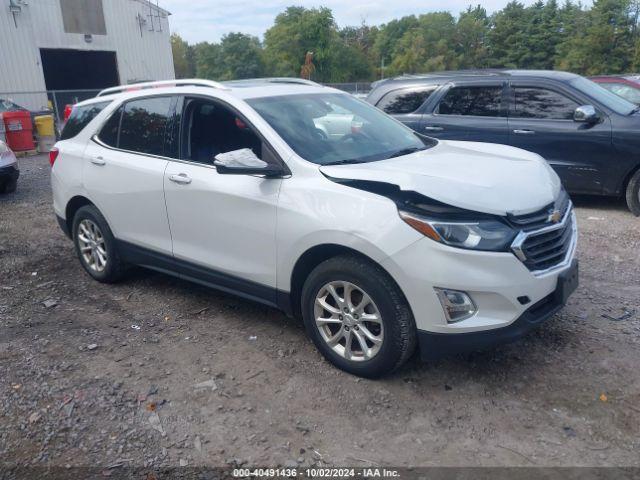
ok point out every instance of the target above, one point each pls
(242, 89)
(437, 78)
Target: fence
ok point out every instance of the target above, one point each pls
(53, 100)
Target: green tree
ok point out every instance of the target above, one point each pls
(241, 57)
(471, 38)
(208, 59)
(296, 31)
(183, 59)
(507, 36)
(426, 47)
(606, 44)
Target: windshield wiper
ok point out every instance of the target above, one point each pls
(405, 151)
(635, 110)
(349, 161)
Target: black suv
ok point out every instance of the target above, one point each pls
(589, 135)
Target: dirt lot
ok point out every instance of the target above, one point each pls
(109, 375)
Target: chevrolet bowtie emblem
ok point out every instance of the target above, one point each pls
(555, 216)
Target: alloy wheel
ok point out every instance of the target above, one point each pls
(92, 245)
(348, 321)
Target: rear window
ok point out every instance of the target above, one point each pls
(80, 118)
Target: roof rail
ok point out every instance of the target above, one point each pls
(194, 82)
(301, 81)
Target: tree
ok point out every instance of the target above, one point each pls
(471, 38)
(507, 36)
(296, 31)
(183, 59)
(606, 43)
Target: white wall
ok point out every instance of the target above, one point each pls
(145, 56)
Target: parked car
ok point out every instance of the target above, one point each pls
(9, 171)
(379, 238)
(627, 87)
(590, 136)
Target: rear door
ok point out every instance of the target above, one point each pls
(124, 172)
(471, 111)
(541, 121)
(404, 104)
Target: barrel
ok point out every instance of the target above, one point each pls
(44, 125)
(19, 130)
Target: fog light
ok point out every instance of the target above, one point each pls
(457, 305)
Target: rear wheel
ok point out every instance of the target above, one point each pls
(357, 316)
(9, 187)
(96, 246)
(633, 194)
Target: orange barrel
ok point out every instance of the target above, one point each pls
(19, 130)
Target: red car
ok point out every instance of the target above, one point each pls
(625, 86)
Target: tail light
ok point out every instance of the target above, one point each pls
(53, 155)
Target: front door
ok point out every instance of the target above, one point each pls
(223, 226)
(541, 121)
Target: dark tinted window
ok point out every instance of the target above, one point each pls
(143, 125)
(476, 101)
(80, 118)
(109, 133)
(542, 103)
(404, 101)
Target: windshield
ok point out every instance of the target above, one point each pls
(603, 96)
(331, 128)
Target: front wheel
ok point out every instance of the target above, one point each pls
(357, 316)
(633, 194)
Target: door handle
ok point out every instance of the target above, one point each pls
(524, 132)
(98, 161)
(433, 128)
(181, 178)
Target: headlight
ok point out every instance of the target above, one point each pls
(481, 235)
(3, 148)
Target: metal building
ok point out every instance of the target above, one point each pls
(81, 44)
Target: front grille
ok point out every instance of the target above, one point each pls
(549, 244)
(540, 218)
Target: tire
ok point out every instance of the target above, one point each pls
(633, 194)
(10, 186)
(109, 268)
(396, 328)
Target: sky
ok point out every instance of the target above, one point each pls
(209, 20)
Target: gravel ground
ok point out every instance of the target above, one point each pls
(156, 372)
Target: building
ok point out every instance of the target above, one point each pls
(80, 44)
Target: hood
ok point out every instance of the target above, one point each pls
(483, 177)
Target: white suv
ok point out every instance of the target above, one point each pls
(379, 238)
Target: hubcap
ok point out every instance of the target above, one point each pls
(92, 246)
(349, 321)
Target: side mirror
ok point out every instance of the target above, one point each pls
(245, 162)
(586, 114)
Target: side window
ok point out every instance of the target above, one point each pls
(474, 101)
(406, 100)
(209, 128)
(143, 125)
(80, 118)
(109, 132)
(532, 102)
